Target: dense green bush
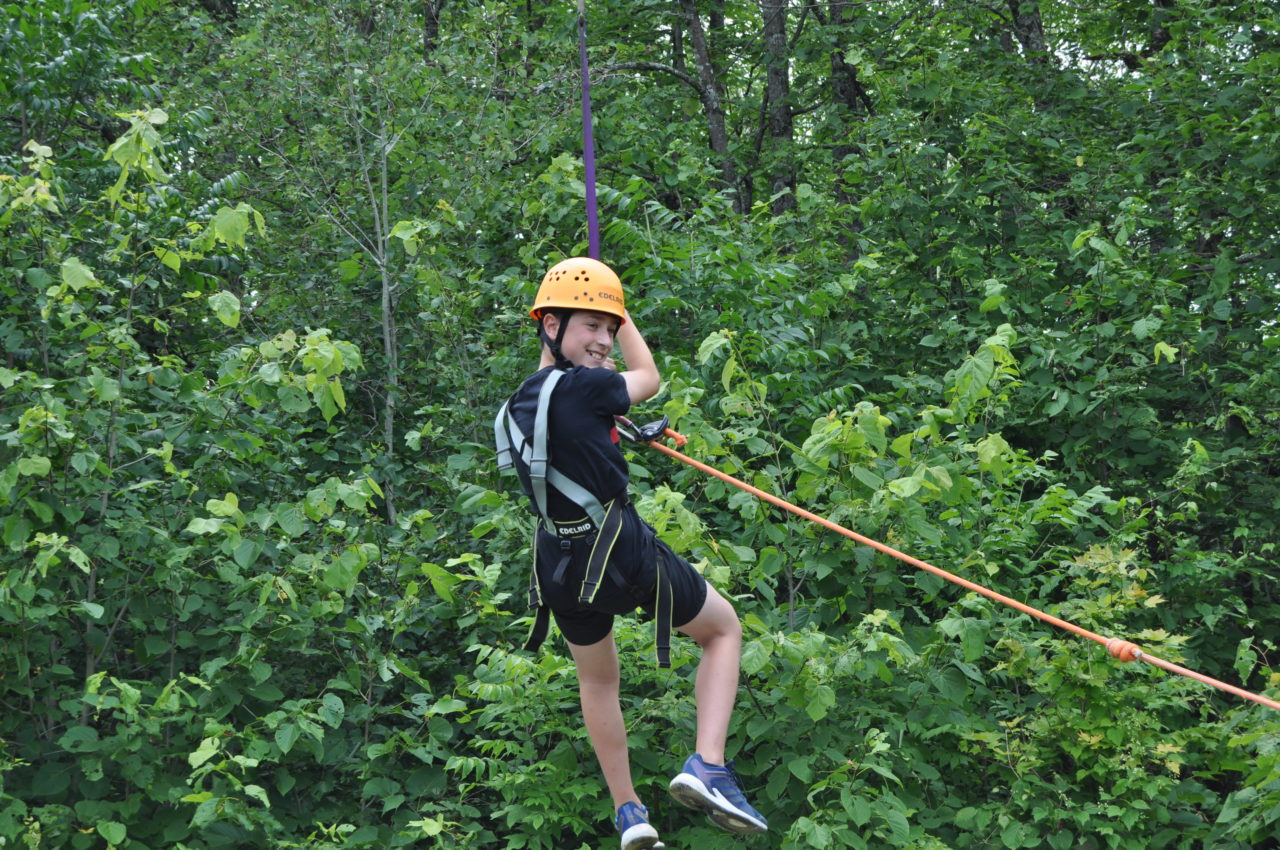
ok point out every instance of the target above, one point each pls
(264, 270)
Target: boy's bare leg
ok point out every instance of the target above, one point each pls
(598, 684)
(717, 630)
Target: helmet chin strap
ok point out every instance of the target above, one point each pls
(554, 344)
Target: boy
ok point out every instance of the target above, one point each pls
(595, 557)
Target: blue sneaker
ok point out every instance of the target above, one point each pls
(718, 792)
(633, 822)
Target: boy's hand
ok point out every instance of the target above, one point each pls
(609, 364)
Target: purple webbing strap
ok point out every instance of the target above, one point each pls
(588, 142)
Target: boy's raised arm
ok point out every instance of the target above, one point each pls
(641, 375)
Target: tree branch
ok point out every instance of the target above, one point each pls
(659, 68)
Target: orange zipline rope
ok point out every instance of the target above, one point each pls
(1117, 648)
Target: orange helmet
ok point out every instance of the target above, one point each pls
(580, 283)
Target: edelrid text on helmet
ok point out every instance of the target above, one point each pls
(580, 283)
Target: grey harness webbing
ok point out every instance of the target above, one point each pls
(605, 520)
(507, 434)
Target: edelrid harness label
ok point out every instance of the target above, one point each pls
(571, 530)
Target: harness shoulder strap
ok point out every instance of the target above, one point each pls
(541, 459)
(502, 438)
(536, 458)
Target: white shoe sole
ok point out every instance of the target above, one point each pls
(642, 836)
(688, 790)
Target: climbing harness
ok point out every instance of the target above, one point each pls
(600, 528)
(1121, 649)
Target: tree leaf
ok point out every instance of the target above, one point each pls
(34, 467)
(286, 736)
(93, 609)
(258, 793)
(1013, 835)
(230, 225)
(821, 700)
(246, 554)
(17, 528)
(293, 399)
(172, 259)
(114, 833)
(291, 520)
(208, 749)
(899, 826)
(204, 525)
(229, 506)
(872, 479)
(905, 488)
(710, 345)
(1145, 327)
(226, 307)
(1163, 349)
(77, 275)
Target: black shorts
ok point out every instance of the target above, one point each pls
(629, 583)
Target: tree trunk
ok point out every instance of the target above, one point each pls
(1029, 29)
(223, 10)
(536, 15)
(677, 46)
(430, 27)
(1160, 15)
(712, 103)
(851, 102)
(391, 350)
(390, 342)
(782, 181)
(377, 185)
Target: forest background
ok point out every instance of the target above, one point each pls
(994, 282)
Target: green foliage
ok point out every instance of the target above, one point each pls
(1019, 322)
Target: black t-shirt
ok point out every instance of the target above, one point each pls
(582, 439)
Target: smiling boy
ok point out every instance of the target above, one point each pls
(595, 558)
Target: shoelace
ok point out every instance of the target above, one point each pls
(733, 774)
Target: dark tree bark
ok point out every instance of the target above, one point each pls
(712, 103)
(367, 19)
(223, 10)
(677, 46)
(1161, 12)
(782, 180)
(1029, 29)
(715, 21)
(535, 14)
(430, 27)
(851, 100)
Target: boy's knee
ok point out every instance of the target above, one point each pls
(727, 617)
(725, 629)
(599, 686)
(733, 631)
